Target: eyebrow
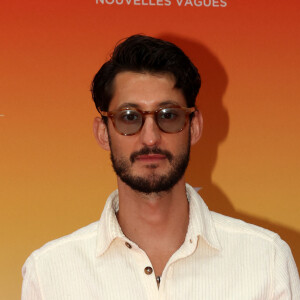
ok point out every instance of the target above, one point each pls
(169, 102)
(127, 104)
(164, 103)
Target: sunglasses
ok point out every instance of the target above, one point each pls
(129, 121)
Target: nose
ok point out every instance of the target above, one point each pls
(150, 134)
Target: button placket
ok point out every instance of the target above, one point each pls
(128, 245)
(144, 265)
(148, 270)
(170, 272)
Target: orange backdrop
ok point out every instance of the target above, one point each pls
(54, 178)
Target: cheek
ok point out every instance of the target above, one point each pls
(121, 145)
(178, 140)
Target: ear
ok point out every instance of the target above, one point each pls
(101, 134)
(196, 127)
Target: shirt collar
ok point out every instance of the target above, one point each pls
(200, 222)
(108, 227)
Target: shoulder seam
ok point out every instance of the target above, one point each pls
(267, 235)
(58, 242)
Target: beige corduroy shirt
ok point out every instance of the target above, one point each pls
(222, 258)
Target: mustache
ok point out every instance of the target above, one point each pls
(154, 150)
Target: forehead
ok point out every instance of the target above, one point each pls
(144, 90)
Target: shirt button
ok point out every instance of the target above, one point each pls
(128, 245)
(148, 270)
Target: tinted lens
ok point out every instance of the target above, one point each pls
(128, 121)
(171, 119)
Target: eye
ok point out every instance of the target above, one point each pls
(129, 116)
(168, 114)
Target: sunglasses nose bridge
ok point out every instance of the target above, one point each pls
(149, 130)
(146, 113)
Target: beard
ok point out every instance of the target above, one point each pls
(153, 183)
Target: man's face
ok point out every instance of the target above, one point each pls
(150, 161)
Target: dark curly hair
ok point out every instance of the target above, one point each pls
(145, 54)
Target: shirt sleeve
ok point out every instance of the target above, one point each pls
(286, 277)
(30, 287)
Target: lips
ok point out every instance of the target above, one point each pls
(151, 157)
(151, 154)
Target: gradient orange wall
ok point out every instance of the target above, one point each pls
(54, 178)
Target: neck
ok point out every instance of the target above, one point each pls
(155, 222)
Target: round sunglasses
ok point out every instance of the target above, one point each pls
(129, 121)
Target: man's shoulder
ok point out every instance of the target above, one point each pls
(77, 239)
(238, 228)
(231, 231)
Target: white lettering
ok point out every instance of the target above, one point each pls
(223, 3)
(198, 3)
(207, 3)
(215, 3)
(188, 2)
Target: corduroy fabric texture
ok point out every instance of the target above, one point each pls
(222, 258)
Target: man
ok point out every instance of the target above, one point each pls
(156, 238)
